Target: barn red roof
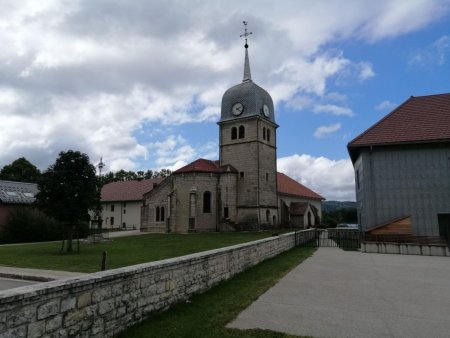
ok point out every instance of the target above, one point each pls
(128, 190)
(205, 166)
(289, 186)
(419, 119)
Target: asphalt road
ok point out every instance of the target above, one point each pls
(338, 293)
(9, 283)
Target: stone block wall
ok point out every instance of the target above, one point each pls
(104, 303)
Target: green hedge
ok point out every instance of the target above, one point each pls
(27, 224)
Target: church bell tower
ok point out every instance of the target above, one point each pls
(248, 143)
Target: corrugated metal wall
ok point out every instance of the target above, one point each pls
(401, 181)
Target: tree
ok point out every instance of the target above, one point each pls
(68, 189)
(20, 170)
(123, 175)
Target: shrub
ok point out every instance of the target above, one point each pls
(30, 225)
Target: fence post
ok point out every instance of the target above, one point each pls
(104, 260)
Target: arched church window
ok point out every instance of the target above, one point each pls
(157, 214)
(267, 216)
(241, 131)
(233, 133)
(264, 133)
(207, 202)
(162, 214)
(268, 134)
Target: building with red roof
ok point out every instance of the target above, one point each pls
(402, 170)
(122, 201)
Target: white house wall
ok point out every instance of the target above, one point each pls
(126, 214)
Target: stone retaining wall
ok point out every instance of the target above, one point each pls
(104, 303)
(405, 249)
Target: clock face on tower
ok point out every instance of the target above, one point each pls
(237, 109)
(266, 110)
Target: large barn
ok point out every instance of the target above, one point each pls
(402, 170)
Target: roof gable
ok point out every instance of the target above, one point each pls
(419, 119)
(205, 166)
(128, 190)
(289, 186)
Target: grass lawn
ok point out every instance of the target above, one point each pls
(207, 314)
(121, 251)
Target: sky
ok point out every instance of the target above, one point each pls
(140, 83)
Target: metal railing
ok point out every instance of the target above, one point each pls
(347, 239)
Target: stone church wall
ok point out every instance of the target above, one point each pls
(228, 189)
(103, 304)
(156, 198)
(197, 184)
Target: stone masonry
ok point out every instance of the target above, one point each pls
(104, 303)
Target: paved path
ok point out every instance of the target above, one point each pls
(36, 274)
(9, 283)
(11, 277)
(338, 293)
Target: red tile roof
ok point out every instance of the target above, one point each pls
(286, 185)
(128, 190)
(205, 166)
(289, 186)
(419, 119)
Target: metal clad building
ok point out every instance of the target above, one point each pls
(402, 168)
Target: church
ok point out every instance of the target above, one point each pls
(240, 191)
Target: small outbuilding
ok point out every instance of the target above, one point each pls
(15, 195)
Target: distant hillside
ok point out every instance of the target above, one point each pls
(330, 206)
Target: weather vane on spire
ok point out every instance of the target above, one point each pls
(245, 33)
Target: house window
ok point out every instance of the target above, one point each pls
(206, 202)
(233, 133)
(124, 211)
(241, 174)
(162, 214)
(268, 134)
(264, 133)
(157, 214)
(225, 212)
(112, 207)
(267, 177)
(112, 221)
(241, 131)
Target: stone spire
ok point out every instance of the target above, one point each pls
(247, 74)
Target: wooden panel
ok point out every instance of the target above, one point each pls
(397, 227)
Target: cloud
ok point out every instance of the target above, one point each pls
(87, 75)
(333, 179)
(365, 70)
(323, 131)
(333, 109)
(386, 105)
(434, 54)
(175, 152)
